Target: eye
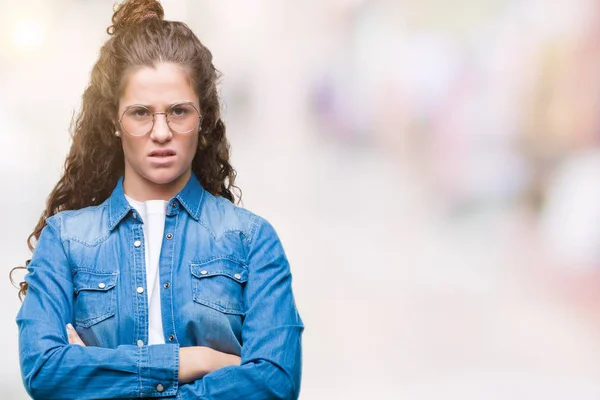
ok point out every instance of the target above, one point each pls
(179, 111)
(138, 113)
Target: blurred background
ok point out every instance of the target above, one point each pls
(432, 168)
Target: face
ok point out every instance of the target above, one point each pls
(159, 161)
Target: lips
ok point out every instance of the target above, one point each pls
(162, 153)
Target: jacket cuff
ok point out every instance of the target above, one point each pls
(159, 370)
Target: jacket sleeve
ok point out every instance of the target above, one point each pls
(53, 369)
(271, 331)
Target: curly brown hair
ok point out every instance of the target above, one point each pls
(140, 37)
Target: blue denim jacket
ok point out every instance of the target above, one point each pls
(225, 283)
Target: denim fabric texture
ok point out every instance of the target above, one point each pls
(225, 283)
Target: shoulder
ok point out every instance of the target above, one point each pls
(222, 216)
(87, 225)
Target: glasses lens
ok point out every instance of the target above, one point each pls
(137, 120)
(183, 118)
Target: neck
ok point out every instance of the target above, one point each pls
(142, 189)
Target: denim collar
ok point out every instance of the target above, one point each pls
(190, 197)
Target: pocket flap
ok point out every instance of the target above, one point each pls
(84, 280)
(221, 266)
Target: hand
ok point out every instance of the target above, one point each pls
(73, 336)
(197, 361)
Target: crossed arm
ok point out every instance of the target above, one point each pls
(194, 361)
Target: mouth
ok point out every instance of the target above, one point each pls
(162, 153)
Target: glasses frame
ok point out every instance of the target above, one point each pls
(165, 113)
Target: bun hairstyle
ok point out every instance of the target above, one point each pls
(139, 37)
(130, 13)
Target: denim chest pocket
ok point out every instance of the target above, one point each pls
(219, 284)
(95, 297)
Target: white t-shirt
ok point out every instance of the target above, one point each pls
(153, 214)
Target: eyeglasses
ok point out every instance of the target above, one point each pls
(182, 118)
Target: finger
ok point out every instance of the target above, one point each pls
(73, 336)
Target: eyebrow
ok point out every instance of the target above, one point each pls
(150, 107)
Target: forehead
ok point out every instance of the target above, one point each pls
(161, 85)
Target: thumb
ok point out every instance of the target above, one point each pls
(73, 336)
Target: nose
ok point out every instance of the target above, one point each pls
(160, 131)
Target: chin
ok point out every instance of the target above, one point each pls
(164, 176)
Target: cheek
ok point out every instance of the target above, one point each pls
(131, 148)
(190, 146)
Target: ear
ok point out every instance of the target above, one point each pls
(116, 128)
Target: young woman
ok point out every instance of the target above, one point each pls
(146, 279)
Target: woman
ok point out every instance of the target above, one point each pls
(146, 279)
